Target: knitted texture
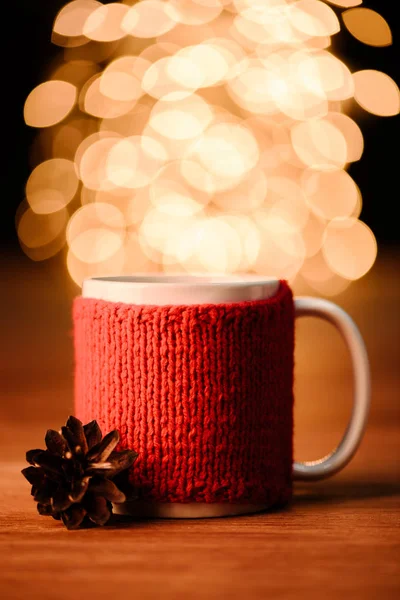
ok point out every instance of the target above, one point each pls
(203, 393)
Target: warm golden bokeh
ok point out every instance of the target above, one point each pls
(342, 239)
(38, 231)
(51, 185)
(319, 144)
(71, 19)
(104, 23)
(377, 93)
(49, 103)
(368, 26)
(345, 3)
(351, 133)
(313, 18)
(96, 232)
(330, 194)
(148, 19)
(204, 135)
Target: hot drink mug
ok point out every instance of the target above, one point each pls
(196, 373)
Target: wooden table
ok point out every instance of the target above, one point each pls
(340, 536)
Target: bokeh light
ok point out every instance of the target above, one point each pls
(71, 19)
(36, 231)
(148, 19)
(181, 120)
(368, 26)
(134, 162)
(51, 185)
(345, 3)
(96, 232)
(319, 276)
(377, 93)
(91, 159)
(330, 194)
(319, 144)
(351, 133)
(96, 100)
(104, 23)
(49, 103)
(121, 79)
(314, 18)
(194, 12)
(204, 135)
(349, 247)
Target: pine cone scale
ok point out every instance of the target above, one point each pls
(43, 494)
(98, 509)
(102, 451)
(55, 443)
(122, 460)
(79, 489)
(107, 489)
(73, 517)
(30, 455)
(76, 427)
(50, 463)
(44, 509)
(60, 501)
(92, 433)
(35, 475)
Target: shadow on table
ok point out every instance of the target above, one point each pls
(343, 491)
(328, 492)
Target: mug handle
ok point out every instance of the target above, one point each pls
(340, 456)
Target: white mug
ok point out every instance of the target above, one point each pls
(186, 291)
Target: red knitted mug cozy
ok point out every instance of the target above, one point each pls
(202, 392)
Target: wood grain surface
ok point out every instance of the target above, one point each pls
(339, 537)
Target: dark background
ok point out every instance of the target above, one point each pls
(27, 51)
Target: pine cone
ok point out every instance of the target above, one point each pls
(71, 480)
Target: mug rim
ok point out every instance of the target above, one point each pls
(150, 279)
(178, 289)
